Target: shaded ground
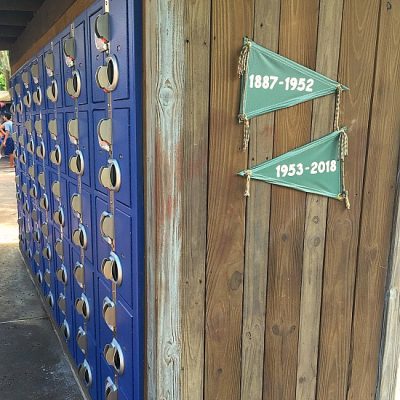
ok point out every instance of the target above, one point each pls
(32, 363)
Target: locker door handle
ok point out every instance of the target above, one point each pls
(33, 191)
(56, 189)
(59, 247)
(109, 313)
(112, 269)
(104, 133)
(41, 151)
(85, 373)
(114, 356)
(52, 125)
(102, 31)
(39, 126)
(35, 72)
(47, 277)
(62, 303)
(110, 176)
(73, 85)
(50, 300)
(55, 155)
(49, 63)
(76, 204)
(36, 258)
(58, 216)
(52, 91)
(31, 146)
(36, 235)
(29, 251)
(42, 180)
(107, 76)
(34, 215)
(21, 142)
(77, 163)
(62, 275)
(73, 131)
(17, 180)
(12, 108)
(82, 306)
(65, 330)
(17, 88)
(81, 340)
(79, 237)
(44, 202)
(39, 277)
(25, 78)
(31, 171)
(69, 51)
(26, 207)
(22, 158)
(37, 96)
(28, 99)
(79, 274)
(111, 390)
(28, 126)
(107, 227)
(24, 189)
(19, 107)
(45, 231)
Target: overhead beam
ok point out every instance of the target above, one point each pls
(15, 18)
(10, 31)
(21, 5)
(6, 44)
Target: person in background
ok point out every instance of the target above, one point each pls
(8, 142)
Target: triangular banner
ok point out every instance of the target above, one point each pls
(316, 167)
(271, 82)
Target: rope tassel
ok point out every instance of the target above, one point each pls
(247, 174)
(246, 131)
(244, 58)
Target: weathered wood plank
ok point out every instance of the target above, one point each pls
(298, 29)
(231, 20)
(378, 208)
(359, 32)
(195, 153)
(329, 31)
(266, 33)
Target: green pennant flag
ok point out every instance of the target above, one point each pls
(271, 82)
(317, 167)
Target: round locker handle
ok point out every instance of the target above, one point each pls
(59, 247)
(85, 373)
(26, 207)
(21, 140)
(47, 277)
(52, 125)
(52, 91)
(81, 340)
(22, 158)
(56, 189)
(39, 277)
(33, 191)
(37, 96)
(73, 131)
(109, 313)
(31, 146)
(39, 126)
(45, 230)
(44, 202)
(110, 176)
(28, 99)
(58, 216)
(34, 215)
(79, 274)
(41, 151)
(29, 251)
(107, 76)
(55, 155)
(62, 275)
(49, 63)
(50, 300)
(65, 330)
(31, 171)
(112, 268)
(114, 356)
(107, 226)
(46, 252)
(82, 306)
(104, 133)
(18, 89)
(12, 109)
(77, 163)
(79, 237)
(25, 78)
(73, 85)
(102, 31)
(36, 258)
(62, 303)
(35, 72)
(76, 204)
(19, 107)
(36, 235)
(111, 390)
(69, 51)
(28, 126)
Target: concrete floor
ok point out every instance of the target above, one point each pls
(32, 363)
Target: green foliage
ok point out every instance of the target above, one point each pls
(2, 82)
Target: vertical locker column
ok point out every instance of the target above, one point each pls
(77, 165)
(57, 192)
(109, 176)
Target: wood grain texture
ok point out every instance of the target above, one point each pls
(231, 20)
(357, 54)
(378, 208)
(329, 31)
(266, 33)
(298, 29)
(195, 159)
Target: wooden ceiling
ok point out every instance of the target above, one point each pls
(15, 15)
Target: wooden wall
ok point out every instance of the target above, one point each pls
(280, 296)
